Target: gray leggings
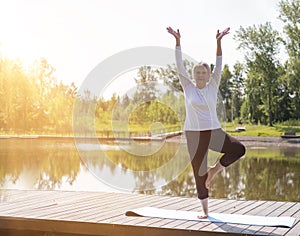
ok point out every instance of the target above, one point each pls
(199, 142)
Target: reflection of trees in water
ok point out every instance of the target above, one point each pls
(250, 178)
(148, 171)
(184, 185)
(273, 180)
(290, 152)
(143, 163)
(42, 164)
(144, 182)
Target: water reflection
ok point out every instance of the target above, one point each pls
(37, 164)
(271, 173)
(128, 172)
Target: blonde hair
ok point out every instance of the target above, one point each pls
(200, 64)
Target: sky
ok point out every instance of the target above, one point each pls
(76, 35)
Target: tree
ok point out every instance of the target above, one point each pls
(238, 87)
(252, 107)
(261, 46)
(146, 93)
(170, 75)
(225, 89)
(31, 99)
(146, 85)
(289, 14)
(284, 106)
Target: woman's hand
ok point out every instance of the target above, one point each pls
(220, 35)
(176, 34)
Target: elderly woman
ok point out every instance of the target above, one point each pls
(202, 127)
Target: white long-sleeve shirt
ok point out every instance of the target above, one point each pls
(200, 104)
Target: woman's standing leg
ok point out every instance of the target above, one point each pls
(198, 142)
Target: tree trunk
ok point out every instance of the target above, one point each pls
(270, 108)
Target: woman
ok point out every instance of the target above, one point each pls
(202, 127)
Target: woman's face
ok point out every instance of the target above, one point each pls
(201, 75)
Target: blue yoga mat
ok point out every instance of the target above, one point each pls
(213, 217)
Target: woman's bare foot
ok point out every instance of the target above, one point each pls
(212, 173)
(202, 216)
(204, 213)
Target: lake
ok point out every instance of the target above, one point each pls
(269, 172)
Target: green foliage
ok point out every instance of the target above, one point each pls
(32, 99)
(276, 130)
(225, 90)
(272, 89)
(238, 85)
(291, 122)
(170, 77)
(289, 14)
(261, 46)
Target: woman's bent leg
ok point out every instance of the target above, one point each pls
(230, 146)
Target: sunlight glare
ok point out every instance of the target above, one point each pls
(16, 51)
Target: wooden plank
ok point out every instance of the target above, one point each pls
(277, 212)
(290, 212)
(268, 212)
(64, 200)
(29, 201)
(22, 199)
(80, 204)
(296, 229)
(159, 202)
(263, 229)
(120, 218)
(64, 212)
(111, 210)
(6, 195)
(267, 208)
(251, 206)
(251, 209)
(27, 196)
(118, 213)
(136, 220)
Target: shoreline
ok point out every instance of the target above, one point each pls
(269, 141)
(251, 141)
(246, 140)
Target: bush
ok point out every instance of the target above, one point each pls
(291, 122)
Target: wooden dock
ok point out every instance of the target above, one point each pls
(100, 213)
(109, 137)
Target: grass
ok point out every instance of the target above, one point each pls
(251, 129)
(261, 130)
